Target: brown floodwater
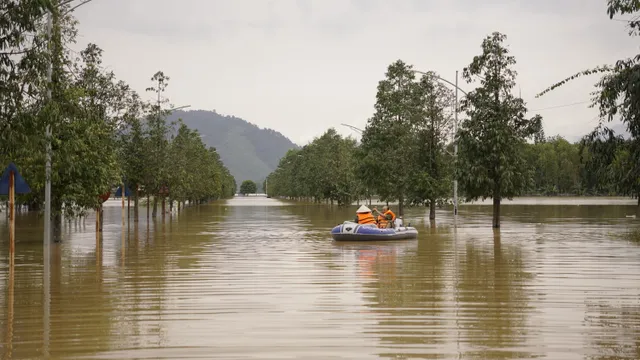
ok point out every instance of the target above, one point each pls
(257, 278)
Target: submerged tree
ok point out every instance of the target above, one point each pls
(387, 140)
(492, 162)
(430, 180)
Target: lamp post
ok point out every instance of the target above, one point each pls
(179, 107)
(455, 133)
(353, 128)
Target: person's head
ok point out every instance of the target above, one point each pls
(385, 208)
(363, 210)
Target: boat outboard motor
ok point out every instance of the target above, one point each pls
(397, 223)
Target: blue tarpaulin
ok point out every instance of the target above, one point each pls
(127, 192)
(21, 186)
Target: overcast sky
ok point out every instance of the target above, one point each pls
(301, 66)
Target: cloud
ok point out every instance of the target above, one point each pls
(301, 66)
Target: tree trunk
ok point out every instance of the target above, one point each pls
(135, 204)
(432, 209)
(148, 207)
(56, 225)
(496, 212)
(101, 218)
(638, 208)
(155, 206)
(400, 206)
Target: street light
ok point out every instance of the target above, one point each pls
(179, 107)
(455, 133)
(353, 128)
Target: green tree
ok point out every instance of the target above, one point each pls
(132, 141)
(492, 140)
(248, 187)
(557, 167)
(386, 164)
(618, 95)
(430, 180)
(157, 145)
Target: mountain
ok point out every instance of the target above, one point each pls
(249, 152)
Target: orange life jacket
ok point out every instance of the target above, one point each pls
(366, 218)
(382, 219)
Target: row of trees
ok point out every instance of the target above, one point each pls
(101, 132)
(325, 169)
(406, 148)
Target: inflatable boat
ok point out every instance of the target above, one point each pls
(350, 231)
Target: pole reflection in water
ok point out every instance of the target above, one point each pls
(47, 298)
(8, 342)
(248, 279)
(122, 247)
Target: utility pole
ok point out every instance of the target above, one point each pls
(455, 153)
(47, 200)
(47, 186)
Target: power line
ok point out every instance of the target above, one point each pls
(561, 106)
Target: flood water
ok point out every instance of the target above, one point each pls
(254, 278)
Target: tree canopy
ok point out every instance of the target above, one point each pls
(248, 187)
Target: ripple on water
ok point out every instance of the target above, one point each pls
(257, 279)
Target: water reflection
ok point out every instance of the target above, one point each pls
(494, 293)
(260, 278)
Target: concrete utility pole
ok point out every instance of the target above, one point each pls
(455, 153)
(47, 186)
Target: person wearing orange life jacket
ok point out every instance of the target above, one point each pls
(364, 216)
(386, 218)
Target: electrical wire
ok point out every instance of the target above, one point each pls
(561, 106)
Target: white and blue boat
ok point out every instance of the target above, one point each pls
(351, 231)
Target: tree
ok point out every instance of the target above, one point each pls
(492, 140)
(618, 95)
(156, 181)
(248, 187)
(430, 180)
(132, 143)
(386, 165)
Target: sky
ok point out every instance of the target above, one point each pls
(302, 66)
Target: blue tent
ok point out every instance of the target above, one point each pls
(21, 186)
(127, 192)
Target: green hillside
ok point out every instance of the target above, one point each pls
(250, 153)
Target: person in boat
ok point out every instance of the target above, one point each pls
(364, 216)
(386, 218)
